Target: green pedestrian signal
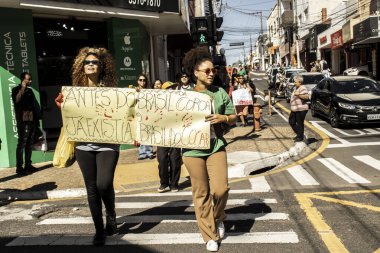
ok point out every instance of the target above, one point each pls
(201, 30)
(202, 39)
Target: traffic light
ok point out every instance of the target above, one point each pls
(217, 34)
(201, 29)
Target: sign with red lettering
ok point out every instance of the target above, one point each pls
(336, 40)
(323, 40)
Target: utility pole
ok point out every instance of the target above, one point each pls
(213, 51)
(199, 8)
(251, 52)
(262, 42)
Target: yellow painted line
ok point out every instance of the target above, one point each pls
(347, 203)
(333, 243)
(345, 192)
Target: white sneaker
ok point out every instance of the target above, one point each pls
(212, 246)
(221, 229)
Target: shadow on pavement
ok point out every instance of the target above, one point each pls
(38, 191)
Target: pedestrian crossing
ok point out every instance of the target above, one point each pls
(164, 209)
(185, 219)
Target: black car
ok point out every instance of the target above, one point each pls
(347, 100)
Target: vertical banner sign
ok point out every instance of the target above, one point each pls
(128, 43)
(17, 55)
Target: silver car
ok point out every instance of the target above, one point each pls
(310, 80)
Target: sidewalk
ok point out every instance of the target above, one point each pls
(247, 152)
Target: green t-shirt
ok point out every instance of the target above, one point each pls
(222, 105)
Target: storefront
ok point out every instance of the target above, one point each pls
(312, 52)
(331, 50)
(366, 39)
(44, 39)
(339, 57)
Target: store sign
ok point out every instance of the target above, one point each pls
(314, 31)
(129, 45)
(141, 5)
(17, 55)
(336, 40)
(323, 40)
(366, 29)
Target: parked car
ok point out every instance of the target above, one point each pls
(290, 72)
(347, 100)
(358, 71)
(310, 80)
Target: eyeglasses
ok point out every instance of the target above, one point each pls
(142, 80)
(185, 77)
(208, 71)
(87, 62)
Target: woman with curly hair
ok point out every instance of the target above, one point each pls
(208, 168)
(94, 67)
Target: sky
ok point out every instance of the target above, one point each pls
(241, 19)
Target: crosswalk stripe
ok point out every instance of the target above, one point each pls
(165, 218)
(343, 172)
(369, 160)
(157, 239)
(182, 203)
(259, 184)
(302, 176)
(259, 187)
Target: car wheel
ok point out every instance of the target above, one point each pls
(334, 118)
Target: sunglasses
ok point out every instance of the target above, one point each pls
(87, 62)
(142, 80)
(208, 71)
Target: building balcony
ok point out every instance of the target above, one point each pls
(287, 18)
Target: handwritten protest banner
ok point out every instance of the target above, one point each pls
(166, 118)
(242, 97)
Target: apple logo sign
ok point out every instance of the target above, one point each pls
(127, 61)
(127, 39)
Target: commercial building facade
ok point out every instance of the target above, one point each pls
(43, 37)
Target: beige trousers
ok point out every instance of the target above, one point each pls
(210, 188)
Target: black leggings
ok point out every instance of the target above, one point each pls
(296, 121)
(98, 168)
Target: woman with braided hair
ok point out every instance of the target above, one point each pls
(208, 168)
(94, 67)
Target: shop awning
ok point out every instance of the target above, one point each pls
(156, 22)
(368, 41)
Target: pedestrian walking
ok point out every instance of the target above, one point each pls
(208, 168)
(28, 114)
(94, 67)
(299, 108)
(242, 110)
(145, 151)
(169, 159)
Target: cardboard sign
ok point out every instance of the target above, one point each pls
(242, 97)
(168, 118)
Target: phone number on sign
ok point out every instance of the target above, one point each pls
(154, 3)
